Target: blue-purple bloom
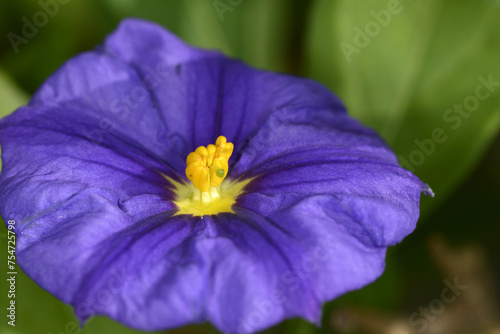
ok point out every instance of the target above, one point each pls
(89, 174)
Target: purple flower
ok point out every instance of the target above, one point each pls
(107, 220)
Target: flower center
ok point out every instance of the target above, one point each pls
(207, 167)
(209, 193)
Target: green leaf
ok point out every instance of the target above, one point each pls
(298, 326)
(35, 51)
(102, 325)
(399, 66)
(11, 98)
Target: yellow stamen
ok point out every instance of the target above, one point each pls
(207, 168)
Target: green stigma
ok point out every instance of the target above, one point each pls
(220, 173)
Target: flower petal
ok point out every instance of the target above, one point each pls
(91, 255)
(284, 266)
(111, 94)
(205, 94)
(47, 162)
(303, 153)
(242, 272)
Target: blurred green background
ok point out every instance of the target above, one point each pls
(401, 67)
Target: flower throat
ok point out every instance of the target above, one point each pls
(207, 168)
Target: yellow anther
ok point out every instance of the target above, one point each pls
(211, 149)
(207, 166)
(218, 171)
(193, 157)
(224, 148)
(221, 140)
(201, 178)
(202, 150)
